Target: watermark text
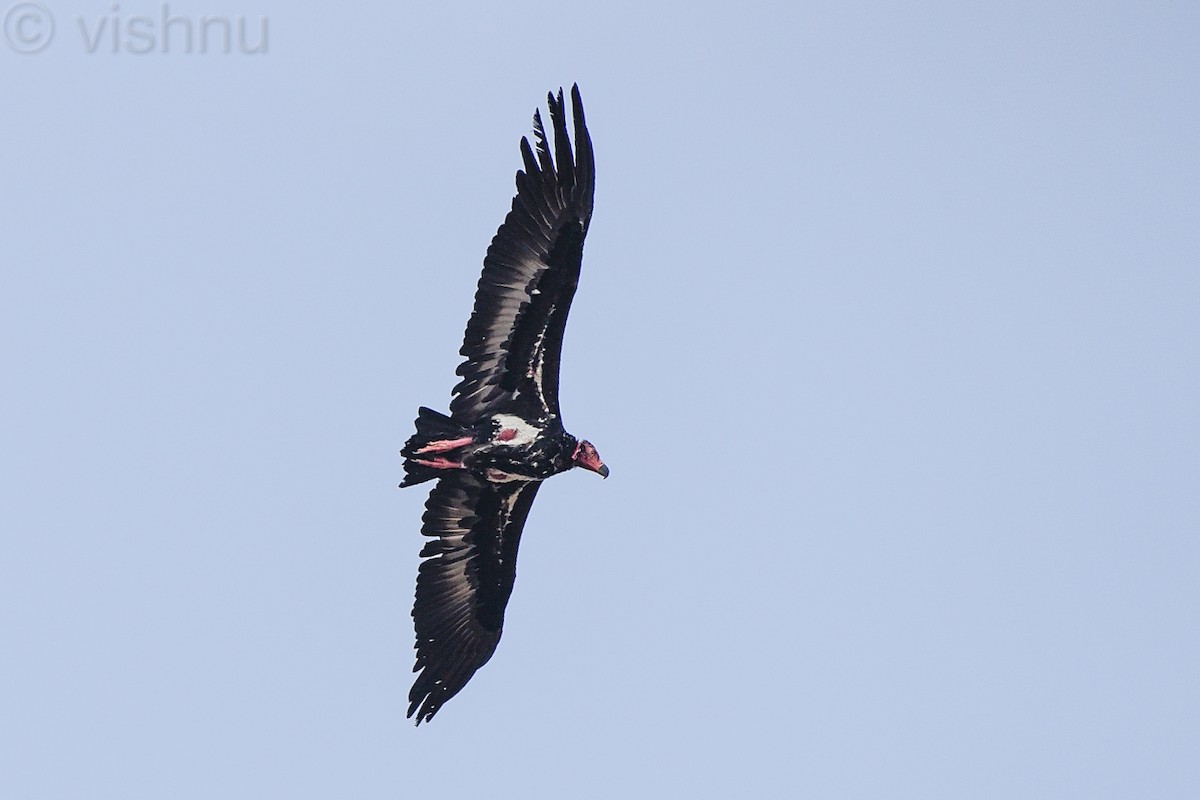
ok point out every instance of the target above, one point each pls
(30, 27)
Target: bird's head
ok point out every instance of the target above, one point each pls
(585, 456)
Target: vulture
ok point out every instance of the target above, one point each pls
(504, 434)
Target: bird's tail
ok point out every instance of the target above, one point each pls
(433, 428)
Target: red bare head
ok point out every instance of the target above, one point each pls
(585, 456)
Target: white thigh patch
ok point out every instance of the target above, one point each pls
(525, 433)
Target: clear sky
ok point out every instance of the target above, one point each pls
(889, 329)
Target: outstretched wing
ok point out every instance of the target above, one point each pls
(464, 585)
(514, 337)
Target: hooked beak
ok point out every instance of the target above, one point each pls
(595, 465)
(587, 457)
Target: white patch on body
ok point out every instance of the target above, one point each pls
(526, 433)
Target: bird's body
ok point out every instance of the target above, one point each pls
(500, 448)
(504, 434)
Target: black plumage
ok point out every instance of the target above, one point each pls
(504, 434)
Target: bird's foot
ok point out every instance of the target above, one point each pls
(444, 445)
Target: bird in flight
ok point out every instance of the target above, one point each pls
(504, 434)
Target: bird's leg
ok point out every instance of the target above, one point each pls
(438, 463)
(445, 445)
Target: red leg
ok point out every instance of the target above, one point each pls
(438, 463)
(446, 444)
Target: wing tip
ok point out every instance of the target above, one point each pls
(423, 707)
(570, 163)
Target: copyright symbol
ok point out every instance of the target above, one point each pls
(28, 27)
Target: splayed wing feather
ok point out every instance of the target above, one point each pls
(464, 584)
(529, 276)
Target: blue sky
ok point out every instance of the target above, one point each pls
(888, 329)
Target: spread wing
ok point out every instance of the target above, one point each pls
(514, 337)
(464, 585)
